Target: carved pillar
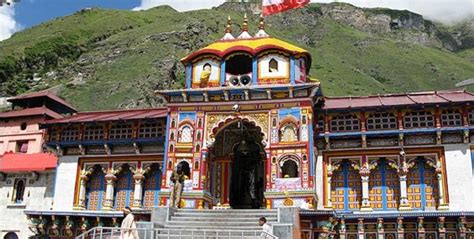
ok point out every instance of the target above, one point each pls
(328, 185)
(462, 227)
(342, 229)
(109, 192)
(400, 229)
(81, 205)
(364, 175)
(138, 177)
(360, 229)
(402, 177)
(441, 229)
(380, 229)
(442, 199)
(421, 228)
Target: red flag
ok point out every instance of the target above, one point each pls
(276, 6)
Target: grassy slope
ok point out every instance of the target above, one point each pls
(345, 60)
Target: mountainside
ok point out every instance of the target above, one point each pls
(104, 59)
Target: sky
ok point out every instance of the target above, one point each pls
(28, 13)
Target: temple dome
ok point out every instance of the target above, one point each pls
(253, 46)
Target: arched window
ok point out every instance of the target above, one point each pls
(346, 188)
(273, 65)
(185, 134)
(384, 187)
(422, 187)
(11, 235)
(124, 188)
(185, 167)
(19, 190)
(289, 169)
(95, 189)
(152, 187)
(288, 133)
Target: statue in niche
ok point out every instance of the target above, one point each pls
(288, 134)
(177, 178)
(205, 75)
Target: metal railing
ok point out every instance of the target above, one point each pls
(168, 233)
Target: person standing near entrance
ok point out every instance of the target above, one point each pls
(267, 229)
(129, 226)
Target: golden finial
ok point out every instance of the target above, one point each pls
(261, 25)
(228, 29)
(245, 26)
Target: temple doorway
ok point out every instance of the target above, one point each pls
(237, 166)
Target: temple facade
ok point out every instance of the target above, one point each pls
(252, 130)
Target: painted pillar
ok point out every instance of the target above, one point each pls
(82, 193)
(400, 229)
(223, 73)
(364, 175)
(360, 229)
(441, 228)
(189, 74)
(402, 177)
(442, 199)
(328, 186)
(421, 228)
(292, 70)
(380, 229)
(110, 179)
(254, 71)
(138, 177)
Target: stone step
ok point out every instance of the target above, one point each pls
(224, 224)
(219, 219)
(211, 227)
(226, 215)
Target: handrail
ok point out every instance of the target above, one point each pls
(114, 233)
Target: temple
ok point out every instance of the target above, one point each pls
(252, 130)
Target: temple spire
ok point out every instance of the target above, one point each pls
(245, 29)
(261, 28)
(228, 30)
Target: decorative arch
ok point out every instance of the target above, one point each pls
(152, 184)
(95, 189)
(289, 132)
(273, 65)
(124, 186)
(185, 132)
(290, 165)
(10, 235)
(220, 122)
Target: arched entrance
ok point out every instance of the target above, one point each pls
(236, 164)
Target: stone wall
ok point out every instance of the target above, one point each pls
(65, 183)
(460, 177)
(38, 195)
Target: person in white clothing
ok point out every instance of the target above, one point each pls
(129, 226)
(267, 229)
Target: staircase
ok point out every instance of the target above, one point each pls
(192, 223)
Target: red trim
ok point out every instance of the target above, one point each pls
(285, 5)
(17, 162)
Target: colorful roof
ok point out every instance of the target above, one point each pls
(97, 116)
(417, 98)
(252, 46)
(18, 162)
(30, 112)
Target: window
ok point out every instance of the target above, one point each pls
(19, 190)
(273, 65)
(288, 133)
(70, 133)
(343, 123)
(21, 146)
(378, 121)
(346, 188)
(23, 126)
(121, 131)
(320, 124)
(418, 119)
(185, 134)
(451, 118)
(53, 134)
(471, 117)
(94, 132)
(289, 169)
(151, 130)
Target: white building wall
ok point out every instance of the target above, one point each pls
(460, 177)
(65, 183)
(38, 195)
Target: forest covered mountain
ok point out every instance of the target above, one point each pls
(107, 59)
